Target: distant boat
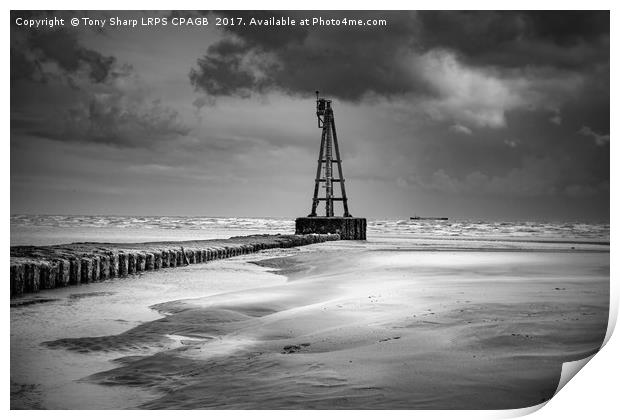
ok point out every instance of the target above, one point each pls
(427, 218)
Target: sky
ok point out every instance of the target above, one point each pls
(467, 115)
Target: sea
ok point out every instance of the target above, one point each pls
(60, 229)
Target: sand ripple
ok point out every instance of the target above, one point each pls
(362, 329)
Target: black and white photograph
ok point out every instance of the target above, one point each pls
(306, 209)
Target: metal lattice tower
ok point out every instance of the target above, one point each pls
(324, 170)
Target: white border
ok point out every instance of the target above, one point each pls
(592, 394)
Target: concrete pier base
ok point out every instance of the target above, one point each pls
(346, 227)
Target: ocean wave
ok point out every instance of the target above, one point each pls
(410, 228)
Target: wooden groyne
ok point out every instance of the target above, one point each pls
(48, 267)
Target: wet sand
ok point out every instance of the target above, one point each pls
(351, 325)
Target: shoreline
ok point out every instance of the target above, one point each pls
(35, 268)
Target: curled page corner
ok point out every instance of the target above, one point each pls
(613, 313)
(520, 412)
(570, 369)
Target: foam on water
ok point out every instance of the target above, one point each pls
(56, 229)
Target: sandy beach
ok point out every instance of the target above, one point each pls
(383, 324)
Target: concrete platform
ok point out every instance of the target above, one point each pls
(346, 227)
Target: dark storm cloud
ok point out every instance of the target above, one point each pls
(98, 113)
(63, 48)
(479, 106)
(349, 62)
(270, 39)
(220, 72)
(65, 91)
(110, 119)
(31, 50)
(567, 39)
(24, 68)
(346, 62)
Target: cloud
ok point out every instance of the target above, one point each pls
(114, 119)
(511, 143)
(562, 40)
(481, 97)
(343, 62)
(122, 112)
(448, 110)
(536, 177)
(40, 55)
(67, 91)
(585, 191)
(402, 182)
(556, 118)
(599, 139)
(453, 66)
(461, 129)
(476, 96)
